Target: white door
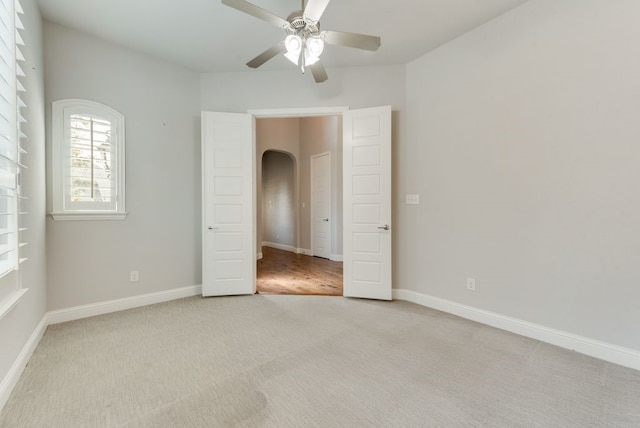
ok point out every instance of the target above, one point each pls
(367, 203)
(228, 264)
(321, 205)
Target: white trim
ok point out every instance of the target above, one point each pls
(279, 246)
(11, 379)
(289, 112)
(11, 302)
(304, 251)
(299, 112)
(66, 216)
(259, 256)
(336, 258)
(93, 309)
(584, 345)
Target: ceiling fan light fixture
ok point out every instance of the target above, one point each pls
(313, 49)
(293, 44)
(305, 42)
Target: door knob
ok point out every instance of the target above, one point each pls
(385, 227)
(325, 219)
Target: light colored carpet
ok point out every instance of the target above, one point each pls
(309, 361)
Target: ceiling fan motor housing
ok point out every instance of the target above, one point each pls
(303, 27)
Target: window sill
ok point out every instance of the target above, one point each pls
(11, 301)
(83, 216)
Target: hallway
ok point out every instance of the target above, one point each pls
(284, 272)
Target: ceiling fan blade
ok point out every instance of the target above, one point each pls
(314, 9)
(253, 10)
(352, 40)
(266, 55)
(319, 73)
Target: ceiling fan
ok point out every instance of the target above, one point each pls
(304, 42)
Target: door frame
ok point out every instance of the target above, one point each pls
(284, 113)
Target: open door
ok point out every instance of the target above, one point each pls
(228, 242)
(367, 203)
(321, 205)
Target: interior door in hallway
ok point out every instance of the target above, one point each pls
(228, 250)
(321, 205)
(367, 203)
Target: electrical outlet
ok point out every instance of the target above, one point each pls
(471, 284)
(135, 276)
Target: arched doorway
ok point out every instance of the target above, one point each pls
(278, 200)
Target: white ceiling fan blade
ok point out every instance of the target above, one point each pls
(266, 55)
(319, 73)
(352, 40)
(314, 9)
(253, 10)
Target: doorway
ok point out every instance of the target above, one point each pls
(229, 200)
(299, 205)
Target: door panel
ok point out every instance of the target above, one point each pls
(367, 203)
(321, 205)
(228, 265)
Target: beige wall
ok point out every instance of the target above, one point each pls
(281, 134)
(90, 261)
(522, 141)
(355, 87)
(278, 199)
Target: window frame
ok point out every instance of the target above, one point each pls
(62, 110)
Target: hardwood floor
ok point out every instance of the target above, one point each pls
(284, 272)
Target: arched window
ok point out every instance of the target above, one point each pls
(88, 161)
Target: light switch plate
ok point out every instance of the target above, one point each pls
(413, 199)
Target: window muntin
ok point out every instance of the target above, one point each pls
(91, 182)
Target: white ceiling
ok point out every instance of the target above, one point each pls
(206, 36)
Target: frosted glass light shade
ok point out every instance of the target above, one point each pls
(293, 44)
(313, 48)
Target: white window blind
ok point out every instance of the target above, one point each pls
(12, 137)
(88, 161)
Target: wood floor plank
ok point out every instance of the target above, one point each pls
(284, 272)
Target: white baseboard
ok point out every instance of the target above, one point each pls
(289, 248)
(336, 258)
(85, 311)
(584, 345)
(11, 379)
(279, 246)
